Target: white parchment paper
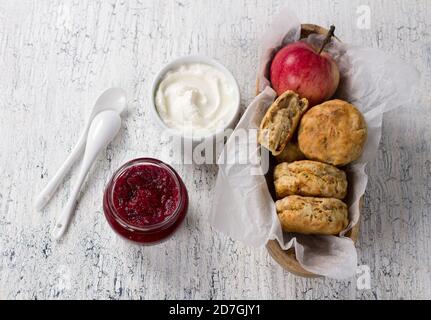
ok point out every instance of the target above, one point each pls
(243, 207)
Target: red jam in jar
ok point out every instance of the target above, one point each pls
(145, 201)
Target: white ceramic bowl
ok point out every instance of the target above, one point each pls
(193, 59)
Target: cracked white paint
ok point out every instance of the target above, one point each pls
(57, 56)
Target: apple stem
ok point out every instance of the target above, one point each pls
(328, 38)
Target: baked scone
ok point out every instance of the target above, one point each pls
(309, 178)
(290, 153)
(312, 215)
(280, 121)
(334, 132)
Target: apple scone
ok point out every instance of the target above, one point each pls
(280, 121)
(308, 215)
(309, 178)
(333, 132)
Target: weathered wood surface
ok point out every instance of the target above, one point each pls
(57, 56)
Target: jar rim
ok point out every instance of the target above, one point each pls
(110, 195)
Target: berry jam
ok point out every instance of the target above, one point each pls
(145, 201)
(145, 195)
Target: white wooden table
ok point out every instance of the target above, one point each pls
(57, 56)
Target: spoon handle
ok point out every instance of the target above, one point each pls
(66, 214)
(46, 194)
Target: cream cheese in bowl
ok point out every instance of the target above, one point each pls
(197, 97)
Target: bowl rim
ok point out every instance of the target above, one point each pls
(176, 62)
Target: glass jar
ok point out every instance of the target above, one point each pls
(145, 201)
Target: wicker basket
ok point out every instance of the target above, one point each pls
(287, 258)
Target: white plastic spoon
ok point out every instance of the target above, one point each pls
(103, 129)
(112, 99)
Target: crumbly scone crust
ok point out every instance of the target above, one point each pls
(308, 215)
(290, 153)
(309, 178)
(280, 121)
(333, 132)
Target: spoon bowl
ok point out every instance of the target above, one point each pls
(111, 99)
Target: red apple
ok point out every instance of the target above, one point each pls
(302, 68)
